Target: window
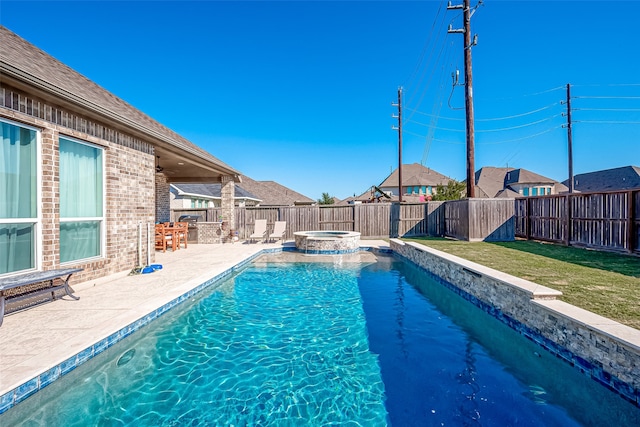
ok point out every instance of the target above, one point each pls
(429, 190)
(525, 191)
(81, 200)
(534, 191)
(416, 189)
(193, 203)
(409, 190)
(19, 197)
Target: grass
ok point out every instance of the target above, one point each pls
(604, 283)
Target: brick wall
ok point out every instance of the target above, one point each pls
(130, 189)
(162, 198)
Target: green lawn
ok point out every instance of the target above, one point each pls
(605, 283)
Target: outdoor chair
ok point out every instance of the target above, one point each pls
(164, 238)
(279, 228)
(260, 230)
(181, 233)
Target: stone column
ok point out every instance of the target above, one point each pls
(163, 209)
(228, 204)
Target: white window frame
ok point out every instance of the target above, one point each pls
(37, 224)
(102, 219)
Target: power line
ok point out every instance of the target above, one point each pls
(489, 143)
(607, 122)
(608, 109)
(546, 107)
(606, 97)
(490, 130)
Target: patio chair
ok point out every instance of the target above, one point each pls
(181, 233)
(164, 238)
(260, 230)
(279, 229)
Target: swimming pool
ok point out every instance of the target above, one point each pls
(318, 343)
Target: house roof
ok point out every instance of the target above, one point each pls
(623, 178)
(494, 182)
(213, 190)
(417, 175)
(273, 194)
(30, 69)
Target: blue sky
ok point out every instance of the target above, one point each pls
(300, 92)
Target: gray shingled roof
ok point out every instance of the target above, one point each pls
(26, 66)
(623, 178)
(493, 182)
(416, 175)
(273, 194)
(211, 190)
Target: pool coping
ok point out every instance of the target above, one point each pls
(540, 295)
(554, 311)
(21, 390)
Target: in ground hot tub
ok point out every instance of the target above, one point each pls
(327, 242)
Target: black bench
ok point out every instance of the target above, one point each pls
(33, 278)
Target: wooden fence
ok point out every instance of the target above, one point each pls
(490, 220)
(374, 220)
(605, 220)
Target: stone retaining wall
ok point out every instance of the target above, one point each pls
(606, 350)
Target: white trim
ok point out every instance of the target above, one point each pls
(37, 221)
(101, 220)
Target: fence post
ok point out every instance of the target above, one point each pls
(567, 222)
(527, 218)
(631, 223)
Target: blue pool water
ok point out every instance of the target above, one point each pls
(294, 344)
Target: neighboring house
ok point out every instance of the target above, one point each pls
(623, 178)
(185, 195)
(81, 170)
(508, 182)
(273, 194)
(418, 182)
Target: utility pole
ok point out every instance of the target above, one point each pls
(399, 128)
(468, 88)
(569, 138)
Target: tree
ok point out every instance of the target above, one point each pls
(454, 190)
(326, 199)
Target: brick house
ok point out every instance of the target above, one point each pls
(80, 169)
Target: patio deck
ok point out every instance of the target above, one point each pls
(34, 340)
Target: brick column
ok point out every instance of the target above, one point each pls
(163, 208)
(50, 199)
(228, 204)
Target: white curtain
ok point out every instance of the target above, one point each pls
(18, 174)
(81, 186)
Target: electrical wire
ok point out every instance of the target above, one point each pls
(424, 48)
(530, 94)
(494, 118)
(606, 122)
(606, 97)
(607, 109)
(520, 126)
(491, 130)
(508, 141)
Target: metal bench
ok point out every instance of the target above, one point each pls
(33, 278)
